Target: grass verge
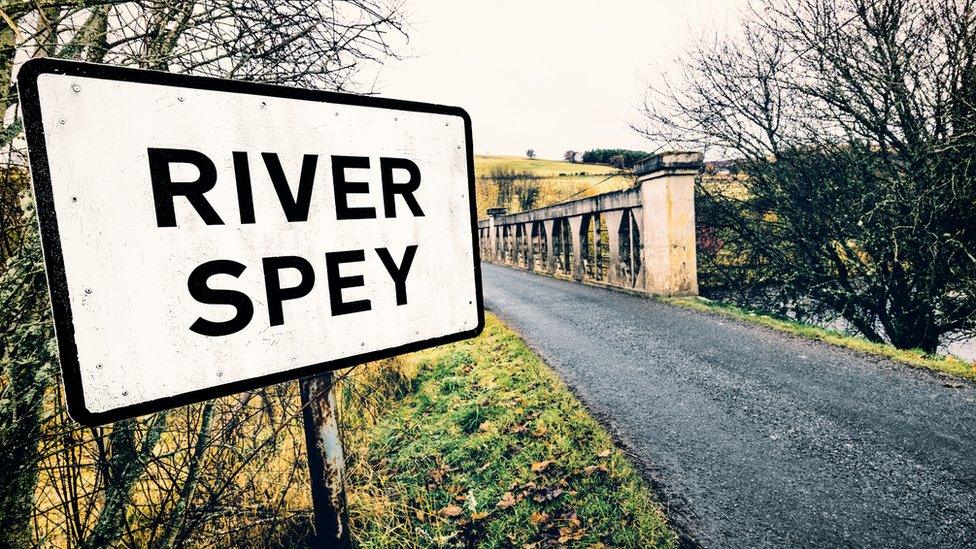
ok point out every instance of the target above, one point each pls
(915, 357)
(489, 448)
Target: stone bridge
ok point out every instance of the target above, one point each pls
(640, 239)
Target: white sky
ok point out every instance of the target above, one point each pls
(546, 74)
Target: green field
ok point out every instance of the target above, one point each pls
(550, 181)
(540, 167)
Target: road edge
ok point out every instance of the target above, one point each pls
(676, 508)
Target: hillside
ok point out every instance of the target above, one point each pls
(538, 166)
(519, 183)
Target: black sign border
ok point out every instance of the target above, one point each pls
(51, 243)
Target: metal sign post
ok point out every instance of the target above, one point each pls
(325, 461)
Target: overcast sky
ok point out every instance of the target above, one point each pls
(546, 74)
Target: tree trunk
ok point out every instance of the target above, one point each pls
(175, 529)
(914, 332)
(126, 464)
(7, 50)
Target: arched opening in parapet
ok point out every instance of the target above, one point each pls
(521, 247)
(496, 252)
(630, 248)
(540, 249)
(562, 241)
(588, 247)
(594, 247)
(557, 244)
(512, 250)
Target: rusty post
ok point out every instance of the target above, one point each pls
(325, 461)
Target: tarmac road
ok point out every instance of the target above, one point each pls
(753, 438)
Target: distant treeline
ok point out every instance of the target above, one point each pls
(621, 158)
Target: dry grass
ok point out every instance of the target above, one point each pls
(490, 449)
(253, 490)
(472, 444)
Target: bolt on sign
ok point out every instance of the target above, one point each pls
(204, 237)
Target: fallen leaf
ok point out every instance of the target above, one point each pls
(590, 469)
(479, 515)
(520, 428)
(540, 466)
(438, 474)
(421, 516)
(484, 426)
(539, 431)
(539, 517)
(507, 501)
(573, 531)
(451, 511)
(605, 453)
(546, 494)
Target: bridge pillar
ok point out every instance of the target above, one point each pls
(612, 218)
(667, 187)
(517, 246)
(575, 224)
(509, 253)
(490, 241)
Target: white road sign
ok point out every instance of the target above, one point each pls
(205, 236)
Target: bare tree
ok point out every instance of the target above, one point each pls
(185, 470)
(852, 122)
(570, 156)
(530, 153)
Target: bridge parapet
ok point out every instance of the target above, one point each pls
(640, 239)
